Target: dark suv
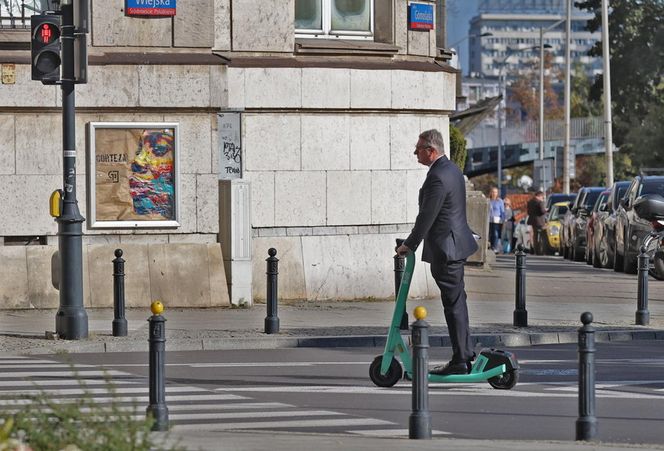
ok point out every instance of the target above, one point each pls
(630, 228)
(573, 233)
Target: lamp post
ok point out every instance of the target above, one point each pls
(608, 133)
(501, 86)
(568, 63)
(542, 46)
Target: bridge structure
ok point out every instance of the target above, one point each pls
(521, 144)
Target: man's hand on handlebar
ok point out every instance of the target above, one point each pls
(402, 250)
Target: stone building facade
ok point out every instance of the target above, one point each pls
(328, 125)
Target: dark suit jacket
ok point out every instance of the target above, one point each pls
(442, 221)
(536, 213)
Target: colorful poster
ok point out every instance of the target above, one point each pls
(134, 174)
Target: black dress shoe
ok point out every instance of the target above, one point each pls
(451, 368)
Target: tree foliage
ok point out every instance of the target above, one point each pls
(458, 150)
(525, 93)
(636, 41)
(581, 104)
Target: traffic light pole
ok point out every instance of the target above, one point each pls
(71, 321)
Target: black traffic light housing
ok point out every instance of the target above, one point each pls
(45, 48)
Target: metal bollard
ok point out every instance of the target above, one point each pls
(119, 320)
(520, 312)
(157, 407)
(642, 313)
(419, 422)
(272, 320)
(586, 424)
(399, 268)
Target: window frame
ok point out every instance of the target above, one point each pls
(326, 32)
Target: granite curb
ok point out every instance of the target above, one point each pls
(347, 341)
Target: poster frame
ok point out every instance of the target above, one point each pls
(93, 222)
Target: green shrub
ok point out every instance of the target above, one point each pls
(46, 423)
(458, 150)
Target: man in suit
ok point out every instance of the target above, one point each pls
(537, 219)
(448, 241)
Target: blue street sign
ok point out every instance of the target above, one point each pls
(420, 16)
(150, 7)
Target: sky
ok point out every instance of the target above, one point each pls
(459, 13)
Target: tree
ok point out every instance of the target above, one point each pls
(636, 34)
(458, 150)
(525, 92)
(581, 104)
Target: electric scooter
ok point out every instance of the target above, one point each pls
(499, 368)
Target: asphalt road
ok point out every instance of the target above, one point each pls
(328, 391)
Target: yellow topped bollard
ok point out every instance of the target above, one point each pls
(420, 313)
(157, 408)
(157, 307)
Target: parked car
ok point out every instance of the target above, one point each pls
(604, 238)
(554, 198)
(556, 213)
(574, 223)
(594, 219)
(630, 228)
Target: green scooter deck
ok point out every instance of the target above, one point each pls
(395, 344)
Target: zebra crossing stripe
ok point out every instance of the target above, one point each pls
(447, 391)
(73, 374)
(9, 363)
(128, 399)
(96, 391)
(334, 422)
(65, 382)
(390, 432)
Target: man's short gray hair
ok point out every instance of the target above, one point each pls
(434, 139)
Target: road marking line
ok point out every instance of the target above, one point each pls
(73, 374)
(60, 382)
(96, 391)
(136, 399)
(283, 424)
(390, 432)
(24, 363)
(449, 391)
(245, 415)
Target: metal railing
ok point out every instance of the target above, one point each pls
(527, 132)
(16, 13)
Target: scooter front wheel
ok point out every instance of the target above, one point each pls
(393, 375)
(505, 381)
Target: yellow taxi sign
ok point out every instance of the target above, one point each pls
(55, 203)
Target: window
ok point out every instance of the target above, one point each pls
(349, 19)
(16, 13)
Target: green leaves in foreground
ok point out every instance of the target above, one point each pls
(52, 422)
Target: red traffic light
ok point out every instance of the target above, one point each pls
(45, 47)
(47, 33)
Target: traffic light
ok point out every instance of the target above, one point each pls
(45, 46)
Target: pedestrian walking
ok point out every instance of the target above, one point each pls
(537, 220)
(507, 232)
(448, 242)
(496, 219)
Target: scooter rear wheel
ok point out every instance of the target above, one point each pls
(393, 375)
(505, 381)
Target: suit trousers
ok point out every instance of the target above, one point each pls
(449, 278)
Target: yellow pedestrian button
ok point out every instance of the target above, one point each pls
(55, 203)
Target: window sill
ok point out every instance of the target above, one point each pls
(14, 39)
(343, 47)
